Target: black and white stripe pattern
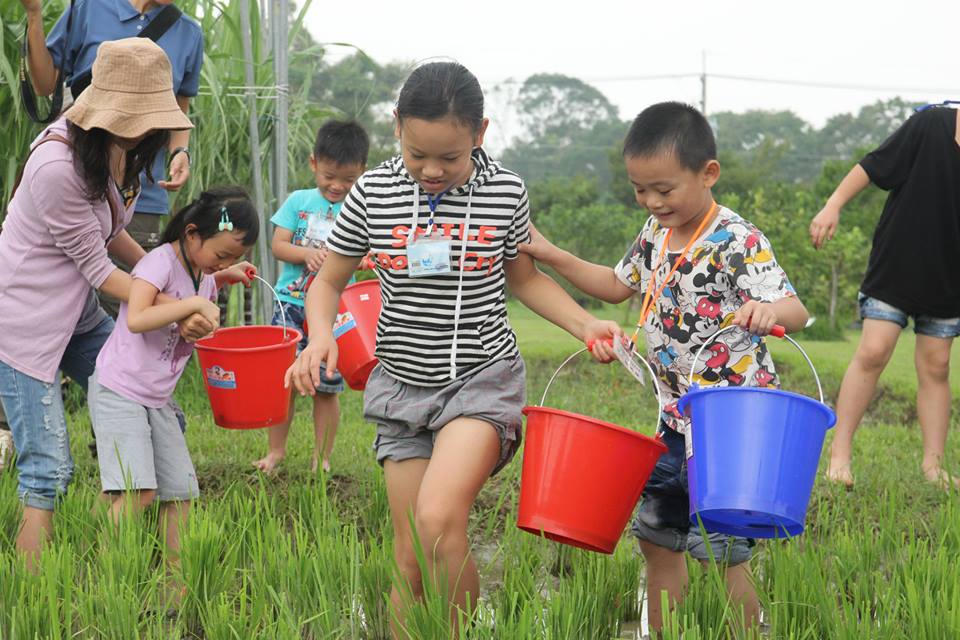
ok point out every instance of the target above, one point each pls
(415, 335)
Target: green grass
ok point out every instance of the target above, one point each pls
(294, 556)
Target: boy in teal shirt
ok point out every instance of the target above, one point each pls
(299, 241)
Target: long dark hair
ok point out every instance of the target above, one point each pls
(91, 158)
(439, 89)
(207, 211)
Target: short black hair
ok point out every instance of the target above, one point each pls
(343, 141)
(672, 127)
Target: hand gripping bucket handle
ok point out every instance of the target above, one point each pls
(250, 273)
(778, 331)
(633, 351)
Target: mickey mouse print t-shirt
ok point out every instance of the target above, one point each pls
(730, 264)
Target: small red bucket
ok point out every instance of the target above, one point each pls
(581, 476)
(243, 370)
(356, 332)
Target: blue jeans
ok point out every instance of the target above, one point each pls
(35, 413)
(664, 514)
(873, 309)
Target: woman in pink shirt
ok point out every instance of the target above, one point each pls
(78, 190)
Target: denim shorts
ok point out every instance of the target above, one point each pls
(34, 410)
(873, 309)
(295, 315)
(409, 417)
(664, 514)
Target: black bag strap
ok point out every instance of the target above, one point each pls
(26, 87)
(167, 17)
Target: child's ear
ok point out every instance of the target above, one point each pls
(313, 163)
(396, 124)
(711, 173)
(478, 136)
(190, 229)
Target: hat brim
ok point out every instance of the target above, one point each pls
(127, 115)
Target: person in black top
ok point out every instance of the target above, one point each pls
(913, 271)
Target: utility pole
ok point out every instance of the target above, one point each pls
(703, 82)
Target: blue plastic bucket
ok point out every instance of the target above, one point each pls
(754, 458)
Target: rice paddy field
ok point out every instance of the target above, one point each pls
(296, 555)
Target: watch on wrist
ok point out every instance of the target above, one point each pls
(183, 150)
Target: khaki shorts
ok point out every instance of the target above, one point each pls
(409, 417)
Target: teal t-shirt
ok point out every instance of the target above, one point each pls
(310, 217)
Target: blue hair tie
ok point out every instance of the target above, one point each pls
(225, 223)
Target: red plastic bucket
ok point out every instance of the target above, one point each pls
(581, 477)
(243, 370)
(356, 332)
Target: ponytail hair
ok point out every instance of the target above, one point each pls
(440, 89)
(207, 212)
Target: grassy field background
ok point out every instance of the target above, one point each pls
(300, 556)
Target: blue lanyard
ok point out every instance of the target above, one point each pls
(433, 202)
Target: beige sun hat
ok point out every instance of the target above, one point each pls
(131, 92)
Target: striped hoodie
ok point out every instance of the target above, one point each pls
(437, 328)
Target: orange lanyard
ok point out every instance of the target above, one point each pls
(650, 298)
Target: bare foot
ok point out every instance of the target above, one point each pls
(313, 465)
(941, 478)
(268, 463)
(839, 471)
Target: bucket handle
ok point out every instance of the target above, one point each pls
(778, 331)
(250, 273)
(653, 376)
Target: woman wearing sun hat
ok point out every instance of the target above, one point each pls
(78, 191)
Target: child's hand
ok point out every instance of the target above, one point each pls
(599, 336)
(315, 259)
(209, 310)
(368, 263)
(239, 273)
(195, 327)
(758, 318)
(824, 225)
(539, 248)
(304, 373)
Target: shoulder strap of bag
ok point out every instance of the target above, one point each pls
(167, 17)
(26, 87)
(116, 214)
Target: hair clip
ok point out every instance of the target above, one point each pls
(945, 103)
(225, 222)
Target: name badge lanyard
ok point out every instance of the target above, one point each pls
(433, 202)
(195, 279)
(651, 296)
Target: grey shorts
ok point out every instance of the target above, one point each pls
(408, 417)
(140, 447)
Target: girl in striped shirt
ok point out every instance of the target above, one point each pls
(442, 222)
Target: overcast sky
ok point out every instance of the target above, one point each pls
(874, 50)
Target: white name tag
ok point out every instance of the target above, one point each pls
(318, 229)
(428, 256)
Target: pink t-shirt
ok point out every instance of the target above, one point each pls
(52, 250)
(145, 367)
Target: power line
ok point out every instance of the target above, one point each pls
(766, 80)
